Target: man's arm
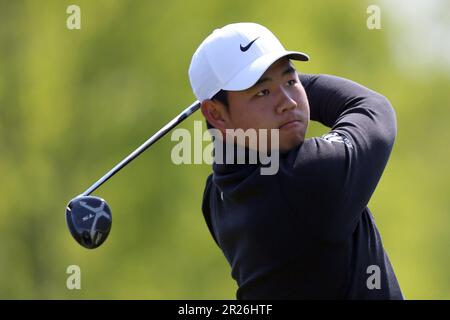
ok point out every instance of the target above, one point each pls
(332, 97)
(338, 173)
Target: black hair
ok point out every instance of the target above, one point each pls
(222, 97)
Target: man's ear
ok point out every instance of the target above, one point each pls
(216, 114)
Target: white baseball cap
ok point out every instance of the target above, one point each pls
(234, 57)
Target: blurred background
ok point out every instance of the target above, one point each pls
(73, 103)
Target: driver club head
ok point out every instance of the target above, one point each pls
(89, 220)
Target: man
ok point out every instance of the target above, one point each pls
(305, 232)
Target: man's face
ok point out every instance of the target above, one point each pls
(277, 101)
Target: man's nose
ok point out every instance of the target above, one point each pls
(285, 101)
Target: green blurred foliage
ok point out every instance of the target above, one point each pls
(68, 96)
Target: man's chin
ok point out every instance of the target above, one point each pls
(287, 146)
(286, 142)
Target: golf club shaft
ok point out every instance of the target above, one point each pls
(178, 119)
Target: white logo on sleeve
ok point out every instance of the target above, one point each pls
(336, 137)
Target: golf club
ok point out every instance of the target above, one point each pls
(88, 217)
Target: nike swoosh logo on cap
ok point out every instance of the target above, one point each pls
(243, 49)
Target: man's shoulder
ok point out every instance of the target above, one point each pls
(206, 206)
(208, 184)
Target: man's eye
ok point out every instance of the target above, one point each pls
(262, 93)
(292, 82)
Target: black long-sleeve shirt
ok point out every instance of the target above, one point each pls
(306, 232)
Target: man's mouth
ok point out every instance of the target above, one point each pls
(290, 124)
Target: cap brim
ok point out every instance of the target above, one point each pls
(251, 74)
